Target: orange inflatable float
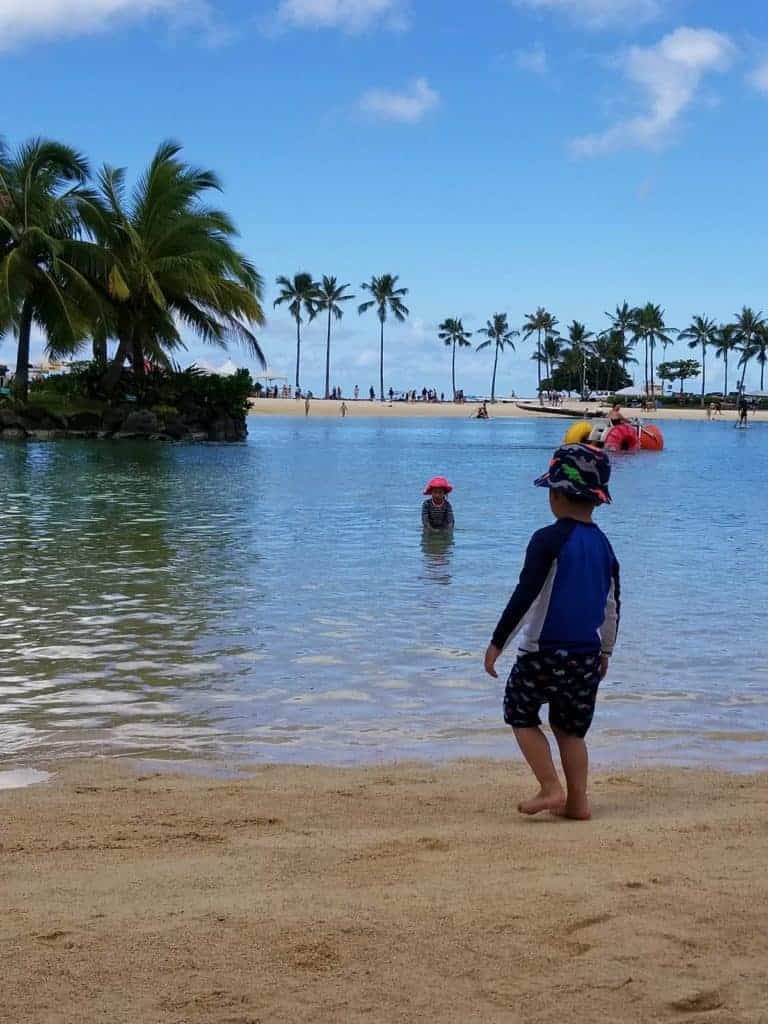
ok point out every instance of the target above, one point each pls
(651, 439)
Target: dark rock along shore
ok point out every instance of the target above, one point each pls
(119, 423)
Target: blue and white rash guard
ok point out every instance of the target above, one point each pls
(568, 597)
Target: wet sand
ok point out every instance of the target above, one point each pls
(381, 895)
(501, 410)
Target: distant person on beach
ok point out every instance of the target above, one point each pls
(306, 405)
(743, 411)
(482, 412)
(371, 393)
(436, 511)
(343, 409)
(357, 392)
(568, 599)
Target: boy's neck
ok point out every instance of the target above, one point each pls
(581, 515)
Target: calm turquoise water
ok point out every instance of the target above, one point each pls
(276, 601)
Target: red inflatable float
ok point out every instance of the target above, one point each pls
(622, 438)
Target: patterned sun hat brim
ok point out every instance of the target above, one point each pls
(578, 471)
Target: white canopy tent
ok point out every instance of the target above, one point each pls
(638, 390)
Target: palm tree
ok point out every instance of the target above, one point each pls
(453, 334)
(45, 266)
(580, 339)
(497, 333)
(648, 325)
(387, 298)
(748, 327)
(702, 332)
(329, 295)
(622, 319)
(762, 352)
(725, 342)
(552, 351)
(173, 264)
(539, 322)
(301, 294)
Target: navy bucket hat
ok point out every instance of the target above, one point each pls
(579, 472)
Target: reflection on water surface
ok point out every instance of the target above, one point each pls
(269, 601)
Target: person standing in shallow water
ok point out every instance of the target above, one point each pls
(306, 406)
(568, 601)
(437, 511)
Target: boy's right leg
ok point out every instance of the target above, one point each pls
(575, 759)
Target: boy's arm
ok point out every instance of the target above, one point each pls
(538, 563)
(449, 521)
(610, 627)
(425, 514)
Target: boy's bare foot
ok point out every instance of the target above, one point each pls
(577, 810)
(552, 800)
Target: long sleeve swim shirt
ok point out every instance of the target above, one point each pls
(437, 517)
(568, 597)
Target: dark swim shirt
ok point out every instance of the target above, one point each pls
(568, 597)
(438, 517)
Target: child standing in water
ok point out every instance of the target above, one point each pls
(568, 601)
(437, 512)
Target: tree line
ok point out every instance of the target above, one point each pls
(88, 261)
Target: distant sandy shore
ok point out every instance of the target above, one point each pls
(506, 409)
(305, 895)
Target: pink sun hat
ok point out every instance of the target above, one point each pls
(438, 481)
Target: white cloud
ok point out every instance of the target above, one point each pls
(535, 60)
(601, 13)
(759, 77)
(26, 20)
(408, 106)
(669, 74)
(348, 15)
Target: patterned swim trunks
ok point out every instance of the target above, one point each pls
(568, 682)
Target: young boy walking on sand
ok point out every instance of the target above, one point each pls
(566, 607)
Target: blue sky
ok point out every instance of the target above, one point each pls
(498, 156)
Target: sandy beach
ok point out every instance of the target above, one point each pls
(305, 894)
(501, 410)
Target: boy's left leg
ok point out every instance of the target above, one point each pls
(536, 751)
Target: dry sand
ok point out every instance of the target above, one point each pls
(501, 410)
(381, 895)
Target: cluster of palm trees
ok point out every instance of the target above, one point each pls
(86, 261)
(566, 361)
(305, 296)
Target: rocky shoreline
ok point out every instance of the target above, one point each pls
(119, 423)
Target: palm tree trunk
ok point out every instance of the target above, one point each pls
(381, 363)
(538, 364)
(653, 372)
(100, 348)
(725, 381)
(453, 371)
(298, 351)
(137, 357)
(703, 371)
(328, 358)
(493, 379)
(115, 368)
(645, 343)
(21, 378)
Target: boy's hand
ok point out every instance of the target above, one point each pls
(605, 661)
(491, 655)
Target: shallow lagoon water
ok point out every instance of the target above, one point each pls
(276, 600)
